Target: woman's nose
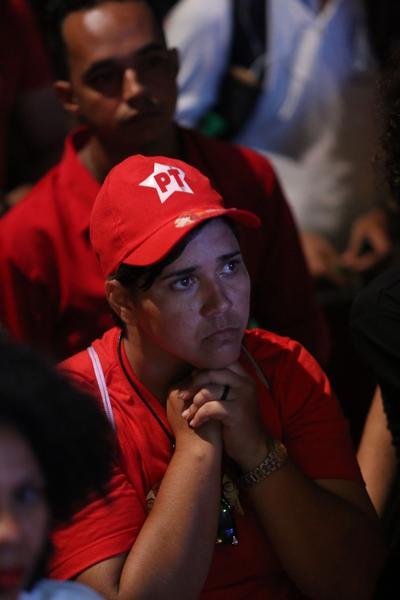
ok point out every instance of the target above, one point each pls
(217, 300)
(10, 529)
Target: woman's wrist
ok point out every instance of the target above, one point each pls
(254, 455)
(205, 440)
(275, 458)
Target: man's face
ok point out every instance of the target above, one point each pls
(122, 77)
(196, 311)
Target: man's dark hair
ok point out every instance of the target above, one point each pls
(65, 428)
(57, 12)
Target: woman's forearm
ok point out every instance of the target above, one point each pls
(328, 541)
(172, 554)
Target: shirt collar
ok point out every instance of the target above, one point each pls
(80, 187)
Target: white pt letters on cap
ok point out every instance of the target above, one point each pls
(166, 180)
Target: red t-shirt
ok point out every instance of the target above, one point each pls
(298, 408)
(52, 289)
(23, 62)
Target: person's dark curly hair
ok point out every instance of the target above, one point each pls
(58, 10)
(66, 429)
(390, 99)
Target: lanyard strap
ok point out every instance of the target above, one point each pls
(101, 382)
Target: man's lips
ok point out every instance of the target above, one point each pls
(11, 578)
(139, 114)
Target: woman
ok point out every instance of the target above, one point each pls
(50, 460)
(199, 405)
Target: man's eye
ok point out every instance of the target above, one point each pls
(105, 78)
(152, 61)
(101, 76)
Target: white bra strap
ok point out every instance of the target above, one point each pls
(101, 382)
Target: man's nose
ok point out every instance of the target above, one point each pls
(131, 84)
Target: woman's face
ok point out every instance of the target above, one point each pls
(24, 514)
(197, 309)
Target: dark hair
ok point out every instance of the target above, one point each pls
(66, 429)
(390, 93)
(142, 278)
(58, 10)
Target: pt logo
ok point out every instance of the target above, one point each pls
(166, 180)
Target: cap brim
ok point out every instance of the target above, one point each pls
(159, 243)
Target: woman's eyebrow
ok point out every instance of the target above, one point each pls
(180, 272)
(229, 255)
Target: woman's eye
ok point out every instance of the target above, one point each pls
(183, 284)
(27, 495)
(231, 266)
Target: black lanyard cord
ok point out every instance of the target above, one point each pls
(138, 392)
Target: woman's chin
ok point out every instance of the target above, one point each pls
(220, 359)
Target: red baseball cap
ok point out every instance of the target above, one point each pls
(148, 204)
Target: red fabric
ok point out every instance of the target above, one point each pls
(299, 409)
(52, 291)
(146, 205)
(23, 62)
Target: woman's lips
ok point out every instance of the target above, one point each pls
(226, 333)
(11, 578)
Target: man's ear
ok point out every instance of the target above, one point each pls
(66, 95)
(120, 300)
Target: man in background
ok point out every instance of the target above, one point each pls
(116, 75)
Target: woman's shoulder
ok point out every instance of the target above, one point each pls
(80, 366)
(277, 355)
(51, 589)
(266, 343)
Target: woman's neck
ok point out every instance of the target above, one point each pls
(154, 369)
